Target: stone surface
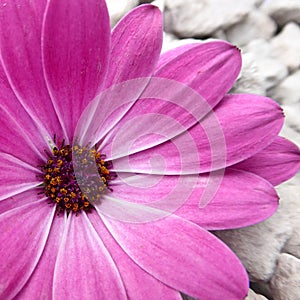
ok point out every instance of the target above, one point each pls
(288, 91)
(291, 193)
(250, 79)
(253, 296)
(256, 25)
(190, 18)
(259, 246)
(118, 8)
(286, 46)
(285, 284)
(282, 11)
(270, 69)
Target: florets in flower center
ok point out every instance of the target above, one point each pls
(60, 183)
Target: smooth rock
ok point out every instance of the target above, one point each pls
(270, 69)
(118, 8)
(259, 246)
(286, 46)
(282, 11)
(285, 284)
(253, 296)
(290, 190)
(292, 113)
(198, 18)
(250, 80)
(290, 133)
(288, 91)
(256, 25)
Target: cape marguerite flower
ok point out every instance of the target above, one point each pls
(84, 222)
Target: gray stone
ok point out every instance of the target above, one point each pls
(292, 113)
(196, 18)
(270, 69)
(259, 246)
(118, 8)
(253, 296)
(282, 11)
(250, 80)
(288, 91)
(255, 25)
(285, 284)
(286, 46)
(290, 190)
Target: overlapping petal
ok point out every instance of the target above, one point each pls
(139, 284)
(167, 248)
(76, 43)
(96, 275)
(136, 43)
(209, 68)
(24, 243)
(20, 44)
(242, 199)
(213, 201)
(20, 137)
(239, 127)
(17, 175)
(184, 90)
(277, 163)
(41, 281)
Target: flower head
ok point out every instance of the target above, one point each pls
(115, 160)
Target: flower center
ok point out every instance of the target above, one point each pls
(60, 183)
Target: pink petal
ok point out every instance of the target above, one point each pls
(277, 163)
(76, 41)
(20, 45)
(139, 284)
(21, 199)
(242, 199)
(169, 55)
(213, 201)
(136, 44)
(183, 256)
(178, 95)
(84, 268)
(19, 136)
(204, 68)
(16, 176)
(240, 126)
(24, 232)
(41, 281)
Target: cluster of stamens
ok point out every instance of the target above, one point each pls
(61, 185)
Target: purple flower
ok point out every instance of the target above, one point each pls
(56, 242)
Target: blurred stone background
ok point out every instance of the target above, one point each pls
(268, 34)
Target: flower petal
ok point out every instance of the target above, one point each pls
(21, 199)
(242, 199)
(136, 44)
(239, 127)
(41, 281)
(276, 163)
(84, 268)
(138, 283)
(24, 232)
(209, 68)
(213, 201)
(183, 256)
(76, 41)
(19, 136)
(20, 48)
(16, 176)
(182, 92)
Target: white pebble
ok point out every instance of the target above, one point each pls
(285, 284)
